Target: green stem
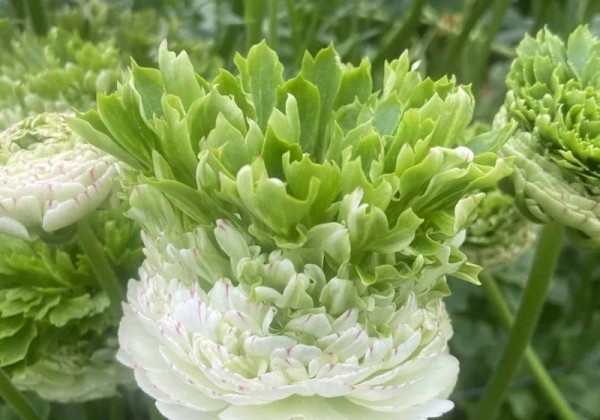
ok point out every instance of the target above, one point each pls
(15, 399)
(456, 46)
(307, 32)
(21, 14)
(546, 255)
(104, 273)
(253, 16)
(538, 10)
(38, 15)
(273, 35)
(401, 35)
(481, 64)
(585, 291)
(105, 409)
(544, 380)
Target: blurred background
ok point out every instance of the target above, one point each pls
(474, 40)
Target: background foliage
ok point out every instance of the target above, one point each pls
(473, 39)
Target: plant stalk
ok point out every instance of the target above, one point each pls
(544, 380)
(38, 16)
(273, 34)
(457, 45)
(399, 38)
(20, 12)
(253, 17)
(15, 399)
(102, 269)
(546, 255)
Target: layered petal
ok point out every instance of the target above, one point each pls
(49, 177)
(553, 95)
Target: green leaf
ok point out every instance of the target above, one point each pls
(491, 141)
(229, 85)
(178, 75)
(149, 84)
(356, 84)
(325, 73)
(204, 113)
(70, 309)
(184, 197)
(579, 47)
(261, 75)
(14, 348)
(135, 139)
(300, 174)
(91, 128)
(10, 326)
(177, 144)
(308, 101)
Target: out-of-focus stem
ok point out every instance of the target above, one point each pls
(102, 269)
(544, 380)
(38, 15)
(13, 397)
(547, 251)
(253, 16)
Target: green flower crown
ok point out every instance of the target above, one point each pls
(298, 233)
(555, 97)
(278, 157)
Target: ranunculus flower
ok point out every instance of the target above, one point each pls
(554, 96)
(298, 233)
(49, 177)
(295, 345)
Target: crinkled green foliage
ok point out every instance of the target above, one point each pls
(555, 97)
(76, 371)
(555, 89)
(138, 30)
(290, 162)
(500, 233)
(53, 73)
(49, 296)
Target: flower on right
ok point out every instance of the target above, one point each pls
(554, 95)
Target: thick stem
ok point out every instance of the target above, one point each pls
(13, 397)
(546, 255)
(401, 35)
(481, 62)
(102, 269)
(253, 17)
(38, 15)
(273, 35)
(585, 293)
(560, 405)
(21, 14)
(457, 45)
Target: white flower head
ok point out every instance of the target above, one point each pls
(49, 177)
(277, 341)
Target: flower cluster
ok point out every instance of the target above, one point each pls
(555, 98)
(297, 234)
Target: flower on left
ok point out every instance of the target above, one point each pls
(57, 329)
(49, 177)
